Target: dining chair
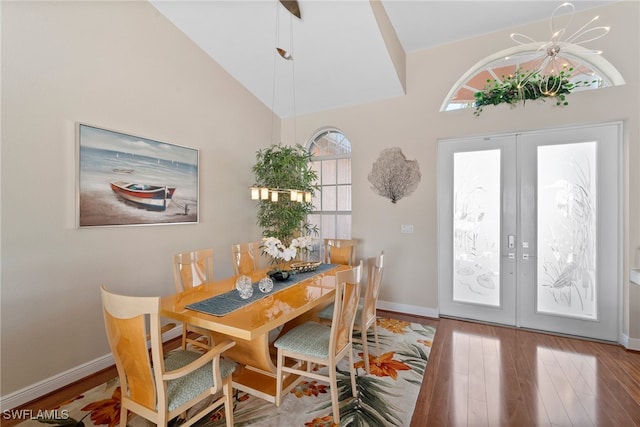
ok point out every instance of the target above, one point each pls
(366, 315)
(340, 251)
(316, 343)
(157, 386)
(246, 258)
(191, 269)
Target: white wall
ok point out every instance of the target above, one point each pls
(414, 124)
(123, 66)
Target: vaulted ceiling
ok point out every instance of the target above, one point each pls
(342, 50)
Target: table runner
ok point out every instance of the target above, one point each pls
(223, 304)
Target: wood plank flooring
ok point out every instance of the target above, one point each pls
(485, 375)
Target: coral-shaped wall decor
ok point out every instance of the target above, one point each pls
(393, 176)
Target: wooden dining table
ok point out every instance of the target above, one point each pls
(251, 325)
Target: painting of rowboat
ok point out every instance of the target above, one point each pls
(151, 197)
(129, 180)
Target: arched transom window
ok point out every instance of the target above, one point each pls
(585, 67)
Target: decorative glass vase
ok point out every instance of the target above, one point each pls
(265, 285)
(244, 286)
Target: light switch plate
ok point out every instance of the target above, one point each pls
(406, 228)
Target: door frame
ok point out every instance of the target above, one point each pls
(618, 199)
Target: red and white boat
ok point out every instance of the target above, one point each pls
(151, 197)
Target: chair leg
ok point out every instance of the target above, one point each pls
(352, 371)
(375, 334)
(279, 365)
(184, 337)
(335, 404)
(163, 419)
(365, 348)
(227, 390)
(123, 416)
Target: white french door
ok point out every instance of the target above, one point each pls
(529, 229)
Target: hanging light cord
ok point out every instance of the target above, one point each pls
(293, 77)
(273, 86)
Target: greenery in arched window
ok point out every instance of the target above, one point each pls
(501, 69)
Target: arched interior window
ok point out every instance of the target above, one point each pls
(331, 159)
(586, 66)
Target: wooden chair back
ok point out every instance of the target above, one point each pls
(125, 320)
(246, 258)
(345, 308)
(375, 268)
(340, 251)
(193, 268)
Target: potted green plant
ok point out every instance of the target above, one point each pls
(283, 167)
(522, 86)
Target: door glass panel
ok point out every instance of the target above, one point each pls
(567, 230)
(476, 227)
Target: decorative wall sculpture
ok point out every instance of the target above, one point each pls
(393, 176)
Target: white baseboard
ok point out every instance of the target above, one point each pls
(55, 382)
(630, 343)
(409, 309)
(39, 389)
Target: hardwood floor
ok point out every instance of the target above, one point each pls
(481, 375)
(484, 375)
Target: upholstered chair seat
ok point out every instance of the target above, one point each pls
(310, 338)
(184, 389)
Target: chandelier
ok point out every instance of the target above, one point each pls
(273, 194)
(550, 64)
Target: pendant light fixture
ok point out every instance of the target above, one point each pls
(273, 194)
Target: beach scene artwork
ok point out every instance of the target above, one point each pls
(130, 180)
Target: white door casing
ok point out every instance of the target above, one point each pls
(529, 229)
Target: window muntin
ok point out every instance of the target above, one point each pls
(331, 159)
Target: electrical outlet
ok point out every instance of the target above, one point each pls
(406, 228)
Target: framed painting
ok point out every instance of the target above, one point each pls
(130, 180)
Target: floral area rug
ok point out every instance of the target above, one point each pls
(387, 397)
